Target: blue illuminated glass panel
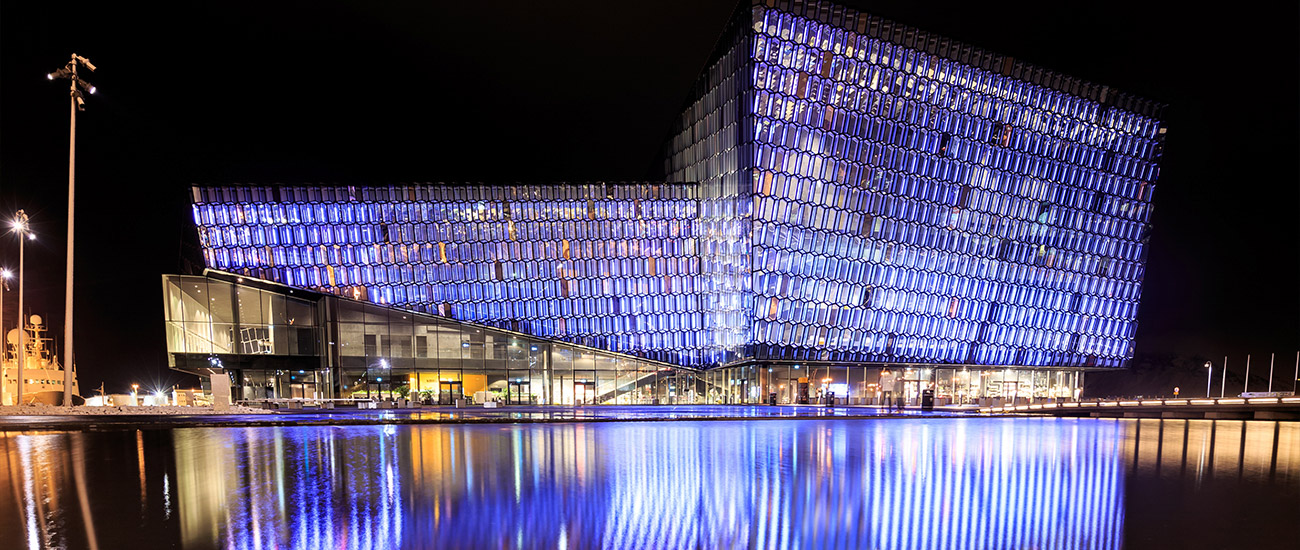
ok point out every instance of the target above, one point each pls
(908, 206)
(612, 266)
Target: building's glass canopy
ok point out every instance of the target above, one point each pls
(863, 194)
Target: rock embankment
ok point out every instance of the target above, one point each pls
(49, 410)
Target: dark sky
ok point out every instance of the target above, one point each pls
(348, 92)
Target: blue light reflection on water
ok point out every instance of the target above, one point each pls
(940, 483)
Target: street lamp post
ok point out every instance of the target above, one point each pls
(1223, 381)
(78, 103)
(1208, 377)
(5, 275)
(1271, 356)
(20, 226)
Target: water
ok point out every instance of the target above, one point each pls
(810, 483)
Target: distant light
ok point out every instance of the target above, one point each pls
(92, 90)
(31, 236)
(6, 274)
(464, 344)
(49, 76)
(379, 380)
(534, 348)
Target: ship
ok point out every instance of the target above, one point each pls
(42, 373)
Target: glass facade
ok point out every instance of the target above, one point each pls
(613, 266)
(279, 342)
(909, 206)
(855, 194)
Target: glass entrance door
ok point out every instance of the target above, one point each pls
(449, 391)
(584, 388)
(518, 388)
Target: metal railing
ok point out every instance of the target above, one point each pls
(1129, 403)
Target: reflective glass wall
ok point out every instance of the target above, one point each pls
(271, 345)
(912, 206)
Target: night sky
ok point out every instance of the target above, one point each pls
(352, 92)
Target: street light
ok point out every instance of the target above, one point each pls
(5, 275)
(78, 103)
(1208, 377)
(21, 225)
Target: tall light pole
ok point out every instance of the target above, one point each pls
(77, 103)
(1271, 356)
(5, 275)
(22, 228)
(1208, 378)
(1246, 388)
(1223, 382)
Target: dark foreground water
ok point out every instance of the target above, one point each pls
(996, 483)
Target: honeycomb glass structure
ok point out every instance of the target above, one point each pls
(916, 200)
(850, 194)
(613, 266)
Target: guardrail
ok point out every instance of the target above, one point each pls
(1133, 403)
(300, 402)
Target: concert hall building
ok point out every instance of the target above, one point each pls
(841, 194)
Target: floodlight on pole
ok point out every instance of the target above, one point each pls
(78, 103)
(22, 227)
(1208, 377)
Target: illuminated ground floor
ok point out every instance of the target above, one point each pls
(861, 384)
(277, 342)
(640, 384)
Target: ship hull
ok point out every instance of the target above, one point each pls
(54, 398)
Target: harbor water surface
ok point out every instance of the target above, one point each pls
(962, 483)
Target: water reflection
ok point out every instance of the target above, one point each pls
(923, 483)
(944, 484)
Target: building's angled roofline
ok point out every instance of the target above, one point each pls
(934, 44)
(412, 191)
(436, 184)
